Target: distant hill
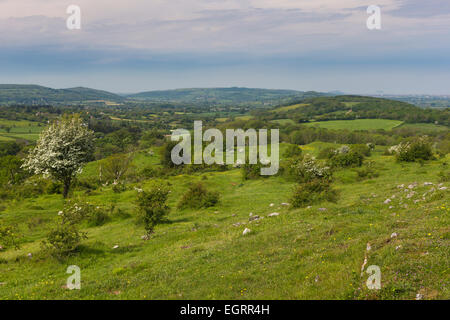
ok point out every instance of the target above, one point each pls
(34, 94)
(225, 96)
(349, 107)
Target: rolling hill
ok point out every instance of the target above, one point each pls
(34, 94)
(232, 95)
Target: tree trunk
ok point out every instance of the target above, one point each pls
(66, 187)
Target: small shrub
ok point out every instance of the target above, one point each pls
(152, 206)
(367, 172)
(307, 169)
(9, 237)
(346, 159)
(311, 192)
(292, 150)
(325, 153)
(76, 212)
(362, 149)
(251, 171)
(63, 240)
(198, 197)
(415, 150)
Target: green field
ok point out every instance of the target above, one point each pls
(358, 124)
(423, 127)
(26, 130)
(200, 254)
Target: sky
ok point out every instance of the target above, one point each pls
(140, 45)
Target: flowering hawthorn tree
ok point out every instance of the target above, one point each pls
(61, 150)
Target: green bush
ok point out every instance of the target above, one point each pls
(415, 150)
(152, 207)
(362, 149)
(76, 212)
(198, 197)
(307, 169)
(63, 240)
(325, 153)
(311, 192)
(346, 159)
(366, 172)
(251, 171)
(292, 150)
(9, 237)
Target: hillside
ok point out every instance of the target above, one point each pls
(308, 253)
(232, 95)
(356, 107)
(34, 94)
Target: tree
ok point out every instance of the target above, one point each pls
(152, 206)
(116, 167)
(62, 150)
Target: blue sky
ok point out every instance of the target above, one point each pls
(138, 45)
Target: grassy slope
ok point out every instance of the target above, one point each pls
(199, 254)
(359, 124)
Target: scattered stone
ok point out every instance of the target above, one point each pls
(29, 255)
(387, 201)
(308, 207)
(285, 204)
(412, 186)
(250, 214)
(368, 247)
(246, 231)
(2, 283)
(253, 218)
(428, 183)
(116, 246)
(1, 248)
(401, 186)
(234, 215)
(271, 205)
(398, 247)
(394, 235)
(317, 279)
(237, 224)
(391, 207)
(443, 188)
(185, 247)
(410, 195)
(273, 214)
(322, 209)
(144, 237)
(419, 296)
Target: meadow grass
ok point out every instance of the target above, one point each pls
(200, 254)
(20, 129)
